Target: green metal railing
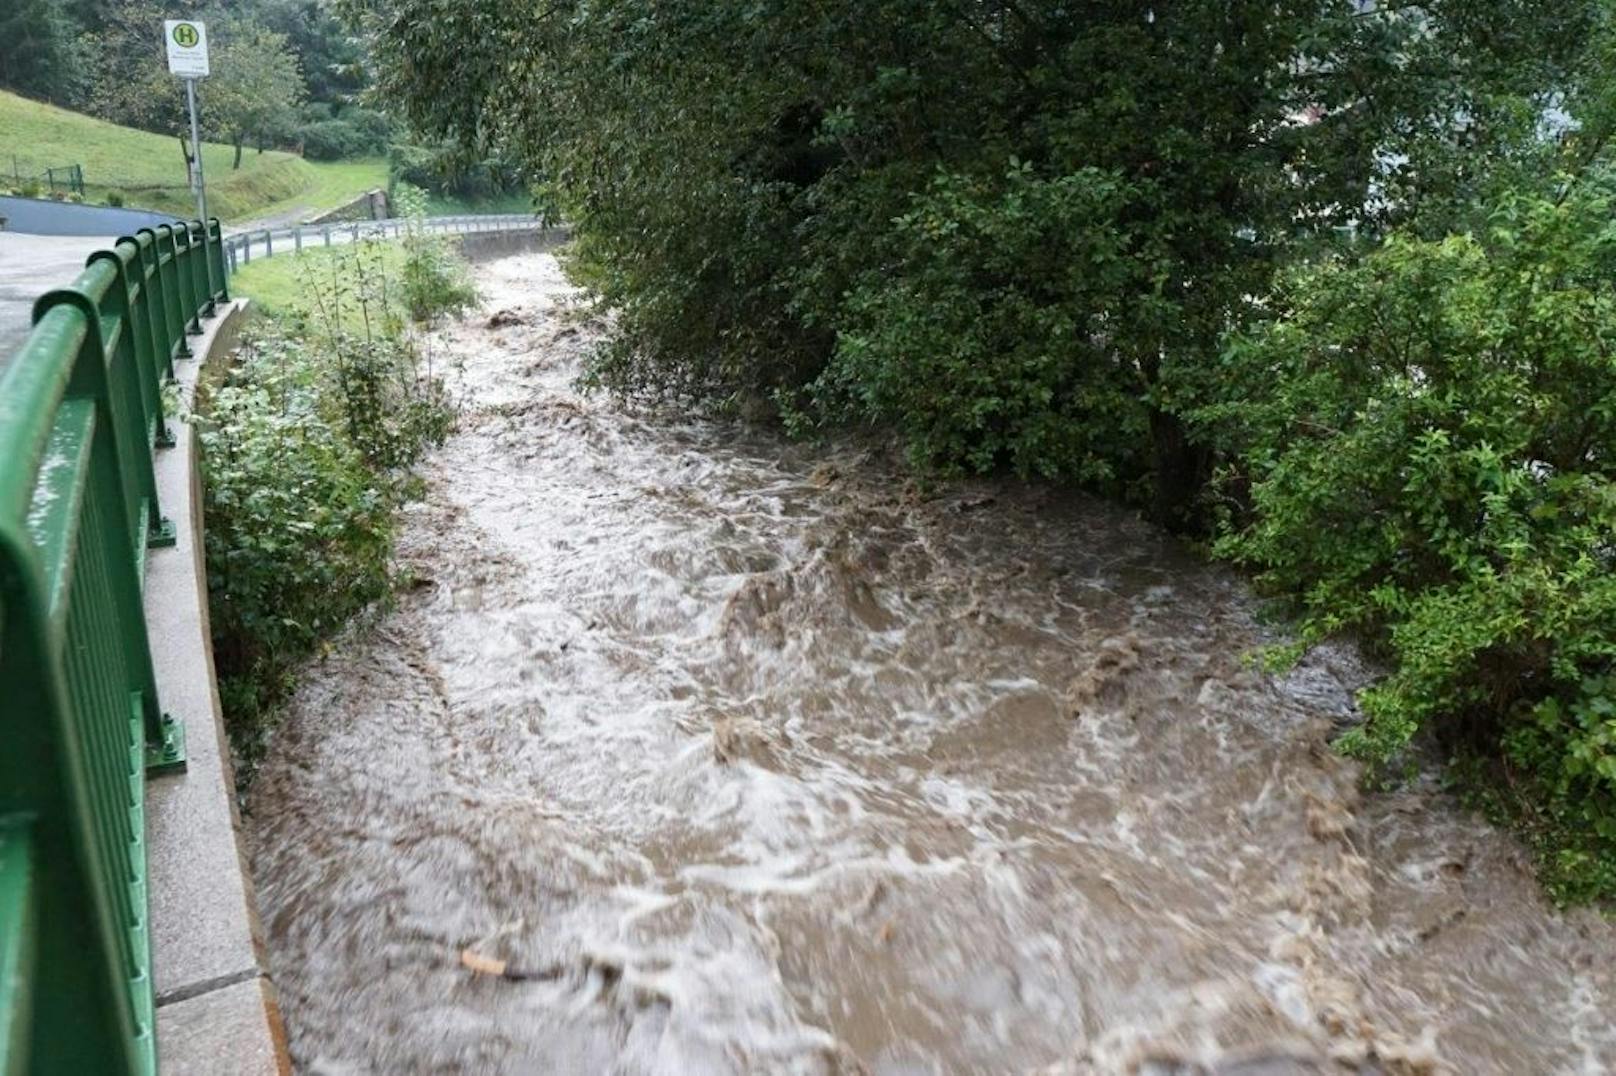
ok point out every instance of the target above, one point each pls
(81, 408)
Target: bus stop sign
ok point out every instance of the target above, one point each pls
(187, 42)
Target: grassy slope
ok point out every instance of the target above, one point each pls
(332, 184)
(121, 158)
(287, 283)
(513, 202)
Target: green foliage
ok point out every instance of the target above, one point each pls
(358, 133)
(445, 169)
(113, 198)
(1423, 444)
(750, 187)
(1023, 373)
(305, 446)
(435, 280)
(39, 52)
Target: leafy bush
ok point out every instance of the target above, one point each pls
(304, 448)
(357, 133)
(1427, 457)
(1023, 374)
(114, 198)
(331, 140)
(750, 187)
(446, 169)
(435, 280)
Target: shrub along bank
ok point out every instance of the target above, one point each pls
(1320, 277)
(1420, 451)
(307, 442)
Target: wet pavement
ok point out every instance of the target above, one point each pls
(31, 265)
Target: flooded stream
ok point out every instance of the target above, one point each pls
(695, 751)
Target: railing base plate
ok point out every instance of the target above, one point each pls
(163, 537)
(169, 755)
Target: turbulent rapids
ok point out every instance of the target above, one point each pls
(691, 750)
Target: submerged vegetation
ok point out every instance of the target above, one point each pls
(1323, 282)
(307, 442)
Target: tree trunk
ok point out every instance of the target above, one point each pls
(1182, 471)
(238, 154)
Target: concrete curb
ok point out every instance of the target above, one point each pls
(216, 1010)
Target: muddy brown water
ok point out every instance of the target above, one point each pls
(740, 756)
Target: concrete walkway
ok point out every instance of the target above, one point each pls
(31, 265)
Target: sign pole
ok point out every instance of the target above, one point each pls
(187, 46)
(196, 156)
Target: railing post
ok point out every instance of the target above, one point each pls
(132, 348)
(217, 245)
(192, 288)
(151, 303)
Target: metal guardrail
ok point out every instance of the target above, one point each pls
(81, 409)
(262, 243)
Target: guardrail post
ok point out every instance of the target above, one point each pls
(149, 298)
(131, 346)
(217, 246)
(297, 238)
(193, 289)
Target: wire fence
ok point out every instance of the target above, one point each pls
(54, 179)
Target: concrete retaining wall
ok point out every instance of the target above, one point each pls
(372, 205)
(486, 246)
(42, 216)
(216, 1009)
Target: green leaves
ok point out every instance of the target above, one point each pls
(303, 450)
(1437, 478)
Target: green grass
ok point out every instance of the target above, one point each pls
(287, 285)
(332, 184)
(447, 205)
(150, 171)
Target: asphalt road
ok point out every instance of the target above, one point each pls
(31, 265)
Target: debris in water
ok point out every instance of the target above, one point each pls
(1103, 682)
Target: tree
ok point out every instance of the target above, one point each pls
(254, 89)
(1014, 230)
(332, 60)
(37, 53)
(130, 83)
(256, 86)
